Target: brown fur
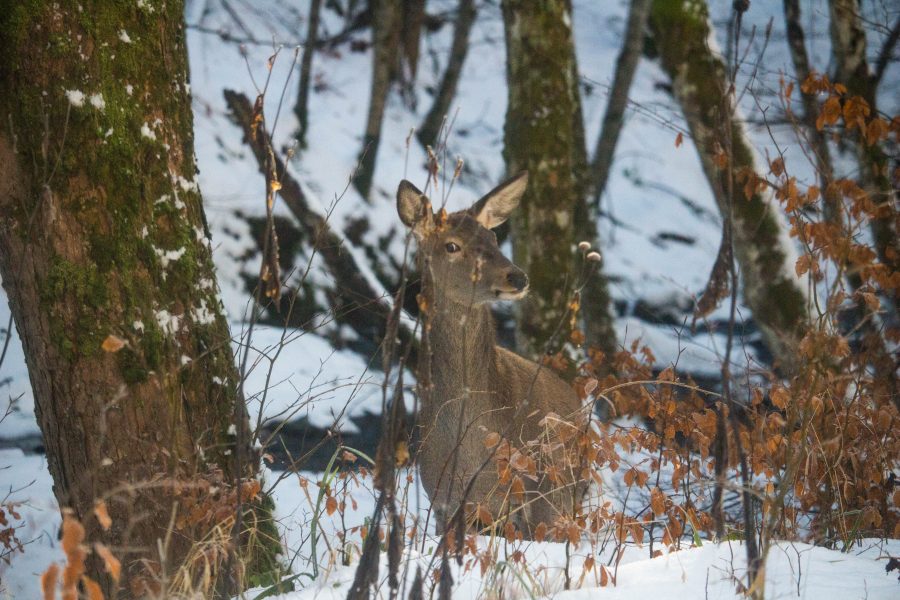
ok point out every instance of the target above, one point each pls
(467, 384)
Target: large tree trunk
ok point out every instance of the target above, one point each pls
(762, 247)
(544, 135)
(102, 234)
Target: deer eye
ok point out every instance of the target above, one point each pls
(452, 247)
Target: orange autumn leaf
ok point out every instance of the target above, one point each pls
(112, 344)
(102, 515)
(112, 564)
(331, 505)
(92, 588)
(540, 532)
(780, 397)
(657, 501)
(679, 139)
(491, 439)
(830, 113)
(48, 582)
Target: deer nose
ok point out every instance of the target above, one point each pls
(517, 279)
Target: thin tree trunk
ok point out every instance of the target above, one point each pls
(762, 248)
(431, 126)
(544, 135)
(302, 107)
(385, 41)
(797, 45)
(848, 43)
(626, 65)
(411, 33)
(105, 257)
(833, 209)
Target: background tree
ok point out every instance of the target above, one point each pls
(626, 65)
(766, 259)
(431, 125)
(544, 135)
(386, 41)
(848, 43)
(105, 258)
(301, 108)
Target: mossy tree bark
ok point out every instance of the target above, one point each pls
(762, 248)
(544, 135)
(102, 233)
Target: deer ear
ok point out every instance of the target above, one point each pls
(414, 208)
(496, 206)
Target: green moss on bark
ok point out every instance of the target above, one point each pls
(681, 31)
(97, 102)
(542, 136)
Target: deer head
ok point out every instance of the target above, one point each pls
(460, 252)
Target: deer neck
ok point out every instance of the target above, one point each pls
(462, 343)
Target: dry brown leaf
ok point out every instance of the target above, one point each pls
(112, 344)
(491, 439)
(48, 582)
(92, 588)
(657, 501)
(331, 505)
(112, 564)
(102, 515)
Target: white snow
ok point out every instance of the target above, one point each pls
(97, 101)
(123, 35)
(169, 256)
(75, 97)
(147, 132)
(168, 323)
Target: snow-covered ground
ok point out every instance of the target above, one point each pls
(793, 570)
(654, 190)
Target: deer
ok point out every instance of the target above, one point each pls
(468, 385)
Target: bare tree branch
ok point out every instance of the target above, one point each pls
(362, 307)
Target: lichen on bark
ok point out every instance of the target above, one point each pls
(102, 233)
(543, 135)
(778, 300)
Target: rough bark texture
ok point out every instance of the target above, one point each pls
(544, 135)
(626, 65)
(385, 41)
(762, 248)
(431, 126)
(102, 233)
